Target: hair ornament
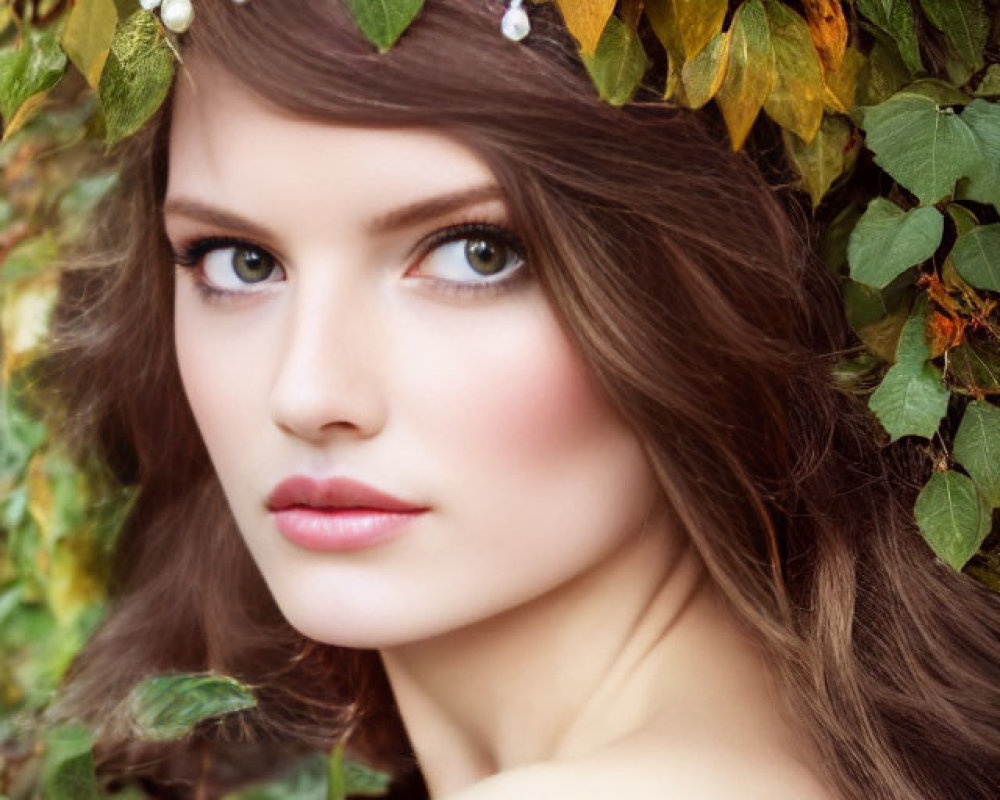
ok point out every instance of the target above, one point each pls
(515, 24)
(176, 15)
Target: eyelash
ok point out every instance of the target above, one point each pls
(191, 254)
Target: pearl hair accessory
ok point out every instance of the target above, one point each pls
(515, 24)
(176, 15)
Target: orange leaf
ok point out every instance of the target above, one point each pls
(829, 30)
(586, 19)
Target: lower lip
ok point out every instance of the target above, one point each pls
(341, 529)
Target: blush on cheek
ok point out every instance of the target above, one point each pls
(540, 395)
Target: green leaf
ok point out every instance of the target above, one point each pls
(989, 85)
(68, 764)
(977, 257)
(983, 184)
(910, 401)
(702, 75)
(953, 517)
(87, 36)
(167, 707)
(887, 240)
(923, 147)
(365, 782)
(977, 447)
(964, 23)
(618, 64)
(913, 348)
(383, 21)
(750, 71)
(26, 75)
(963, 218)
(820, 162)
(137, 76)
(886, 73)
(796, 98)
(895, 17)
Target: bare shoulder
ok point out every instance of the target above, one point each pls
(719, 774)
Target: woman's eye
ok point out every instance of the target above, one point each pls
(230, 268)
(473, 253)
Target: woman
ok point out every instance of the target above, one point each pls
(637, 543)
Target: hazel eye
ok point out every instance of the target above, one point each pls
(473, 254)
(229, 268)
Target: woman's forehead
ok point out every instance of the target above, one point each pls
(228, 142)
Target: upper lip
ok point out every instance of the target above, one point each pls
(299, 490)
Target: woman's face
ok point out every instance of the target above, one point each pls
(342, 349)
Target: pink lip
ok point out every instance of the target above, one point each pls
(337, 514)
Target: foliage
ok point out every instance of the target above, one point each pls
(888, 114)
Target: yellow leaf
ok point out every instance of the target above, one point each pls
(40, 498)
(72, 588)
(828, 29)
(841, 85)
(820, 162)
(87, 36)
(25, 306)
(24, 113)
(703, 74)
(796, 100)
(684, 27)
(698, 21)
(749, 71)
(585, 19)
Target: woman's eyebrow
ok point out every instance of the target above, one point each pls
(405, 216)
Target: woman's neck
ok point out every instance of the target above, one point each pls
(605, 656)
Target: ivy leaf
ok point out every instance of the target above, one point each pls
(618, 64)
(977, 447)
(750, 72)
(895, 17)
(983, 184)
(977, 257)
(796, 98)
(703, 74)
(586, 20)
(27, 73)
(953, 517)
(820, 162)
(383, 21)
(887, 240)
(68, 764)
(964, 23)
(167, 707)
(923, 147)
(910, 401)
(87, 36)
(137, 76)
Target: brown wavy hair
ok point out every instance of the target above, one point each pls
(692, 289)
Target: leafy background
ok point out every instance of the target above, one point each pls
(886, 111)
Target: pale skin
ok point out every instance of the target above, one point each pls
(547, 631)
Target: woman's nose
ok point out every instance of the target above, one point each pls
(328, 372)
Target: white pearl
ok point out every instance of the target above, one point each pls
(149, 5)
(177, 15)
(515, 24)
